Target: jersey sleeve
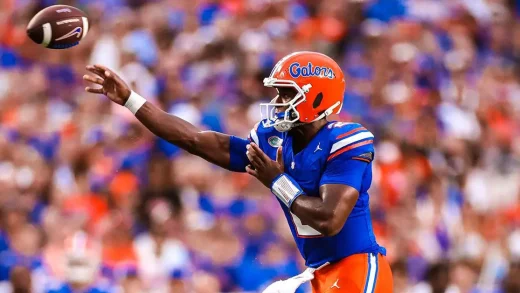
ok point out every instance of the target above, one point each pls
(237, 154)
(237, 146)
(237, 150)
(350, 155)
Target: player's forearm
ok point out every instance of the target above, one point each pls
(207, 145)
(168, 127)
(326, 214)
(313, 212)
(327, 218)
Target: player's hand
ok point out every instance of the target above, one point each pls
(262, 167)
(112, 85)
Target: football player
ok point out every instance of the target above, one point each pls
(319, 170)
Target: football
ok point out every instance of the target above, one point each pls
(58, 27)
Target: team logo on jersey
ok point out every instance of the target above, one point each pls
(318, 148)
(296, 70)
(275, 141)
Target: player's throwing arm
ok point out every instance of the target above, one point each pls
(209, 145)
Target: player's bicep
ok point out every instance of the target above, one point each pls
(348, 168)
(349, 172)
(338, 202)
(340, 187)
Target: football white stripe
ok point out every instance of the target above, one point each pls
(47, 34)
(372, 274)
(351, 139)
(254, 136)
(85, 27)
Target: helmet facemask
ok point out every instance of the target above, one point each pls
(290, 117)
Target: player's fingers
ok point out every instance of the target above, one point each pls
(94, 70)
(254, 152)
(279, 156)
(93, 79)
(94, 91)
(253, 158)
(105, 72)
(101, 67)
(261, 155)
(250, 171)
(110, 76)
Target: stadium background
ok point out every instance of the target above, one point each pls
(437, 82)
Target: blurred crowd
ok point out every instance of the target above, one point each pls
(90, 200)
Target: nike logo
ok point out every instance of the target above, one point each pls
(335, 285)
(318, 148)
(77, 31)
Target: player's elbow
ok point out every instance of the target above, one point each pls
(335, 215)
(331, 227)
(330, 230)
(192, 145)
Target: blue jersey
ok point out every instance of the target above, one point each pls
(340, 153)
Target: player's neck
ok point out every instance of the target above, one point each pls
(303, 134)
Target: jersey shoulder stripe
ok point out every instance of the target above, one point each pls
(260, 133)
(350, 147)
(349, 140)
(253, 135)
(350, 132)
(346, 137)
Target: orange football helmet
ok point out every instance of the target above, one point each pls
(320, 87)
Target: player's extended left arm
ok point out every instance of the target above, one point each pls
(218, 148)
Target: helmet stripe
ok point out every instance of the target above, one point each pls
(280, 63)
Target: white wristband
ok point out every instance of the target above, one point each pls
(286, 189)
(134, 102)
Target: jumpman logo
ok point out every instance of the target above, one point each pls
(318, 148)
(335, 285)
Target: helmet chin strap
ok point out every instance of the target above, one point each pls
(282, 125)
(285, 126)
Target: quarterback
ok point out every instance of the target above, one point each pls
(319, 170)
